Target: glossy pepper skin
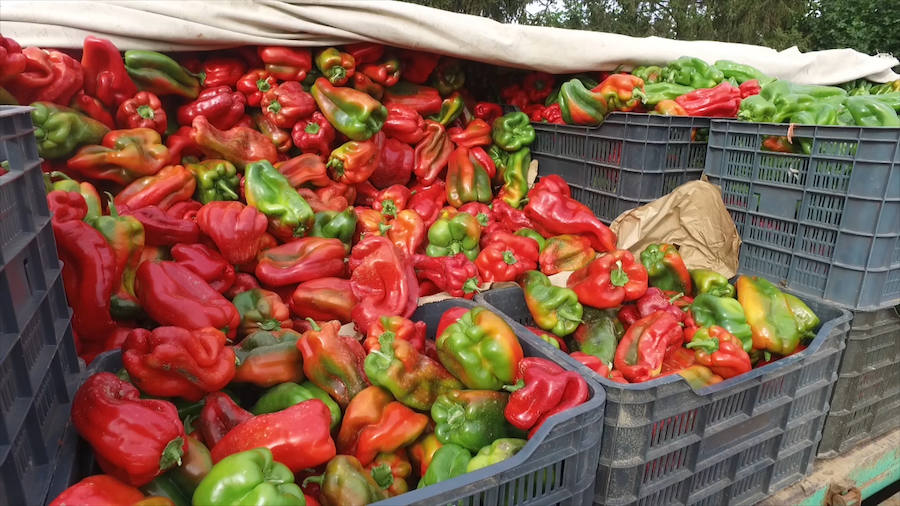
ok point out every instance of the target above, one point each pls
(468, 179)
(599, 334)
(280, 138)
(99, 490)
(770, 315)
(221, 105)
(325, 298)
(554, 308)
(347, 483)
(513, 131)
(261, 310)
(716, 348)
(609, 280)
(452, 107)
(124, 156)
(382, 280)
(401, 328)
(404, 123)
(459, 233)
(142, 110)
(335, 225)
(287, 103)
(49, 76)
(176, 362)
(565, 252)
(542, 390)
(267, 358)
(507, 256)
(621, 92)
(449, 461)
(172, 294)
(288, 394)
(454, 274)
(354, 161)
(722, 101)
(553, 211)
(161, 75)
(301, 260)
(105, 76)
(314, 135)
(741, 73)
(134, 439)
(218, 416)
(215, 180)
(249, 477)
(579, 105)
(298, 436)
(476, 134)
(871, 112)
(161, 229)
(470, 418)
(236, 229)
(333, 362)
(423, 99)
(691, 71)
(374, 422)
(666, 269)
(639, 355)
(286, 63)
(432, 153)
(338, 67)
(172, 184)
(125, 235)
(711, 282)
(353, 113)
(514, 172)
(496, 452)
(655, 93)
(480, 349)
(699, 376)
(413, 378)
(240, 145)
(59, 131)
(269, 191)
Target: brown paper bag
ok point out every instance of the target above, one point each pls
(692, 217)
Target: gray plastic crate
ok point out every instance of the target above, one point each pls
(825, 224)
(866, 400)
(629, 160)
(565, 448)
(39, 368)
(731, 443)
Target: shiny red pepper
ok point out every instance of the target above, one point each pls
(488, 111)
(723, 101)
(555, 212)
(719, 350)
(287, 103)
(507, 256)
(142, 110)
(161, 229)
(543, 389)
(314, 135)
(404, 123)
(639, 355)
(303, 170)
(12, 61)
(105, 77)
(301, 260)
(206, 263)
(609, 280)
(428, 200)
(476, 133)
(395, 164)
(418, 65)
(170, 185)
(236, 229)
(383, 280)
(221, 106)
(553, 114)
(456, 275)
(49, 76)
(432, 153)
(219, 415)
(324, 299)
(222, 71)
(254, 84)
(286, 63)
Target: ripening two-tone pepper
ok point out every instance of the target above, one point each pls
(376, 423)
(123, 156)
(353, 113)
(553, 308)
(334, 363)
(460, 233)
(301, 260)
(598, 335)
(717, 349)
(266, 189)
(59, 131)
(267, 358)
(566, 252)
(287, 394)
(469, 173)
(161, 75)
(666, 268)
(480, 349)
(581, 106)
(778, 320)
(125, 234)
(609, 280)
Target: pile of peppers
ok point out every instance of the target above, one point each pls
(254, 229)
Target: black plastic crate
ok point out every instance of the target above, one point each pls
(825, 224)
(731, 443)
(866, 400)
(565, 448)
(629, 160)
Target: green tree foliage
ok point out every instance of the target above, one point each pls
(870, 26)
(501, 10)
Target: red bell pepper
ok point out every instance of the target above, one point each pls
(207, 263)
(423, 99)
(510, 218)
(142, 110)
(535, 112)
(177, 362)
(395, 164)
(100, 490)
(639, 355)
(236, 229)
(404, 123)
(386, 72)
(365, 84)
(105, 77)
(172, 294)
(338, 67)
(298, 436)
(49, 76)
(591, 362)
(749, 88)
(306, 169)
(170, 185)
(723, 101)
(553, 114)
(565, 253)
(286, 63)
(239, 145)
(287, 103)
(719, 350)
(392, 200)
(609, 280)
(476, 133)
(222, 71)
(538, 85)
(280, 138)
(12, 61)
(162, 229)
(221, 106)
(483, 213)
(432, 153)
(314, 135)
(456, 275)
(301, 260)
(542, 390)
(507, 256)
(66, 206)
(365, 52)
(554, 213)
(655, 300)
(488, 111)
(418, 65)
(253, 84)
(181, 144)
(375, 423)
(354, 161)
(383, 280)
(428, 200)
(324, 299)
(332, 362)
(617, 91)
(92, 108)
(134, 439)
(403, 329)
(219, 415)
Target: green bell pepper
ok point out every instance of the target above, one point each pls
(353, 113)
(891, 99)
(694, 72)
(513, 131)
(449, 461)
(448, 236)
(496, 452)
(336, 225)
(757, 109)
(59, 131)
(249, 477)
(285, 395)
(515, 177)
(179, 483)
(347, 483)
(726, 312)
(871, 112)
(807, 320)
(451, 108)
(553, 308)
(161, 75)
(651, 74)
(666, 268)
(599, 334)
(269, 191)
(711, 282)
(778, 87)
(741, 73)
(579, 105)
(470, 418)
(655, 93)
(216, 180)
(165, 486)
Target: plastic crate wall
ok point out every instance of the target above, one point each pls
(736, 442)
(825, 224)
(557, 466)
(629, 160)
(866, 400)
(38, 365)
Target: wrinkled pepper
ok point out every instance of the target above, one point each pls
(123, 156)
(452, 107)
(639, 355)
(472, 419)
(383, 280)
(172, 184)
(261, 310)
(691, 71)
(60, 181)
(477, 133)
(507, 256)
(432, 153)
(271, 193)
(554, 308)
(207, 263)
(215, 180)
(513, 131)
(565, 252)
(268, 358)
(218, 416)
(716, 348)
(480, 349)
(324, 299)
(354, 161)
(666, 269)
(125, 234)
(514, 172)
(422, 99)
(239, 145)
(236, 229)
(333, 363)
(105, 75)
(723, 101)
(59, 131)
(555, 212)
(609, 280)
(347, 483)
(375, 423)
(542, 389)
(161, 75)
(162, 229)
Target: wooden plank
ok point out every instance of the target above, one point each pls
(846, 480)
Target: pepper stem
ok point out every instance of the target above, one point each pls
(111, 203)
(226, 190)
(383, 476)
(315, 326)
(471, 285)
(314, 479)
(517, 386)
(618, 277)
(274, 107)
(312, 128)
(710, 345)
(146, 112)
(509, 257)
(263, 85)
(171, 455)
(270, 324)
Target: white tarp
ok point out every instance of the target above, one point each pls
(168, 25)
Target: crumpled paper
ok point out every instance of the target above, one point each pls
(693, 218)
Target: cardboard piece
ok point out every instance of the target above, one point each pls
(693, 218)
